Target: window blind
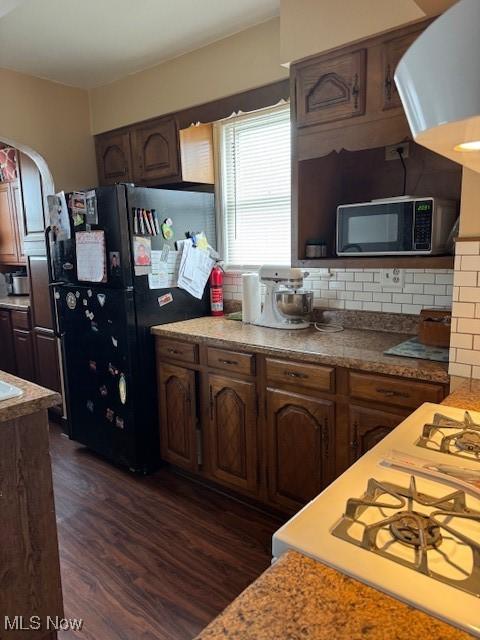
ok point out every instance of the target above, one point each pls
(255, 169)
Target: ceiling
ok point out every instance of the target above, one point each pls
(87, 43)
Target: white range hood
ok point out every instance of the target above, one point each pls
(439, 83)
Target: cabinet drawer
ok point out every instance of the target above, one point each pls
(185, 351)
(21, 320)
(395, 391)
(309, 376)
(231, 361)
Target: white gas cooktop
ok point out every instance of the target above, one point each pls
(358, 526)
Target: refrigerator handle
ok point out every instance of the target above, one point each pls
(52, 284)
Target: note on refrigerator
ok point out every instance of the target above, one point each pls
(159, 278)
(195, 268)
(91, 256)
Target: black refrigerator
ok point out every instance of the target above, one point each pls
(104, 327)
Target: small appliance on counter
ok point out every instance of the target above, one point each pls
(404, 225)
(286, 305)
(434, 327)
(17, 284)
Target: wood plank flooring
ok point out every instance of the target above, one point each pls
(151, 558)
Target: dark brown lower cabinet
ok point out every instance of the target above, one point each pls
(47, 369)
(178, 415)
(23, 345)
(299, 432)
(232, 432)
(7, 351)
(368, 427)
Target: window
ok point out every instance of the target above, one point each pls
(254, 200)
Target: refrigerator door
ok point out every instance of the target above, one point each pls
(112, 219)
(105, 410)
(188, 210)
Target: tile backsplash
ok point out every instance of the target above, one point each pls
(361, 289)
(465, 336)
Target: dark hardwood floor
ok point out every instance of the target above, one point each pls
(148, 558)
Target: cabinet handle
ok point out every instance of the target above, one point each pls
(295, 374)
(228, 361)
(325, 439)
(211, 403)
(174, 351)
(392, 394)
(355, 91)
(354, 440)
(388, 83)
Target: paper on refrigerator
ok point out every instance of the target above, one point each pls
(195, 268)
(161, 277)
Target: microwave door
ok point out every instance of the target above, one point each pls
(373, 229)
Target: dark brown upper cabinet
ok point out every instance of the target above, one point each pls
(331, 88)
(114, 162)
(155, 151)
(392, 52)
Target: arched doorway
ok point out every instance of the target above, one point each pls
(28, 335)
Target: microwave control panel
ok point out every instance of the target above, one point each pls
(422, 232)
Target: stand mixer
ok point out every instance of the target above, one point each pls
(285, 307)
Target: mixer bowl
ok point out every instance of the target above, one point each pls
(294, 305)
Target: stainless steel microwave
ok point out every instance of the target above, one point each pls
(395, 226)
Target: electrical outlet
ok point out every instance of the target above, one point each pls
(391, 152)
(392, 278)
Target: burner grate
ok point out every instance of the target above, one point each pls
(454, 437)
(422, 523)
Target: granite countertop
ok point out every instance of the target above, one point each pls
(352, 348)
(17, 303)
(301, 599)
(34, 398)
(465, 396)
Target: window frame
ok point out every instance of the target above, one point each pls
(218, 141)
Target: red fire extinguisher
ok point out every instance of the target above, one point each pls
(216, 291)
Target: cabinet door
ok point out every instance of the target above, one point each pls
(331, 88)
(39, 294)
(8, 234)
(299, 456)
(23, 345)
(113, 158)
(368, 427)
(17, 206)
(233, 432)
(392, 52)
(47, 367)
(178, 419)
(155, 151)
(29, 200)
(7, 353)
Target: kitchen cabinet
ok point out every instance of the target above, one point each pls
(114, 163)
(392, 52)
(47, 360)
(29, 200)
(24, 354)
(269, 429)
(330, 88)
(368, 427)
(232, 432)
(299, 437)
(7, 351)
(345, 109)
(177, 409)
(154, 149)
(10, 243)
(156, 152)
